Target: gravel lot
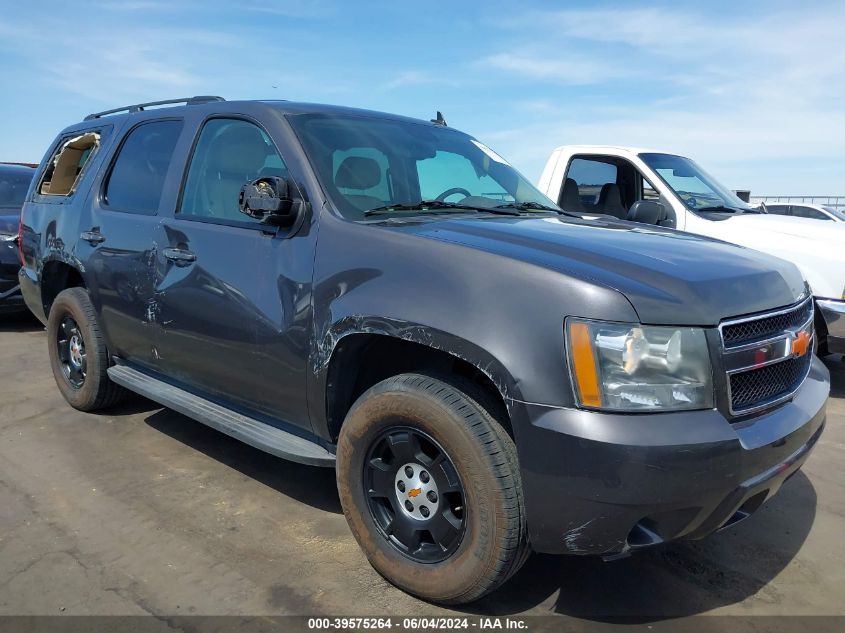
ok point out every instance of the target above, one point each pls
(142, 510)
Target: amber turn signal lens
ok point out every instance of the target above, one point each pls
(584, 365)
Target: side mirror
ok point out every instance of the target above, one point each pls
(647, 212)
(269, 200)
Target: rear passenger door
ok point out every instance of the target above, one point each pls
(227, 286)
(117, 240)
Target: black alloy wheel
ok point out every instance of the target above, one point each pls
(79, 358)
(70, 346)
(429, 482)
(415, 495)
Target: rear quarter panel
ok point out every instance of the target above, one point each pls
(50, 225)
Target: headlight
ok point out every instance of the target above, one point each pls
(630, 367)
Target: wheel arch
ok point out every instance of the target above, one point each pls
(361, 357)
(57, 275)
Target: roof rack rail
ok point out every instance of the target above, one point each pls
(139, 107)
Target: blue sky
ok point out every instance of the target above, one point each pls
(753, 91)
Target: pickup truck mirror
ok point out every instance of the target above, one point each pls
(647, 212)
(269, 200)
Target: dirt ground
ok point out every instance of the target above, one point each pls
(142, 510)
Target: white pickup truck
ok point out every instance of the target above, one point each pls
(669, 190)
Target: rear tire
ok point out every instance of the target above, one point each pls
(474, 479)
(78, 355)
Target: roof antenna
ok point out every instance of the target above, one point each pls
(439, 120)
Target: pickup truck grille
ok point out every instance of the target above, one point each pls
(767, 357)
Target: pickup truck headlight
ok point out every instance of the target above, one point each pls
(632, 367)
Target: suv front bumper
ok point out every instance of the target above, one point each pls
(601, 483)
(833, 313)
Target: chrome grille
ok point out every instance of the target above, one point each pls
(741, 332)
(760, 386)
(767, 357)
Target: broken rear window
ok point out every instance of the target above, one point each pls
(68, 163)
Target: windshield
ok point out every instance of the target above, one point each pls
(839, 213)
(13, 186)
(698, 190)
(368, 164)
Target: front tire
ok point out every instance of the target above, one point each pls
(78, 355)
(429, 483)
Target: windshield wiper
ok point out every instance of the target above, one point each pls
(527, 206)
(436, 205)
(531, 205)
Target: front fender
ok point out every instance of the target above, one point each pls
(501, 315)
(413, 332)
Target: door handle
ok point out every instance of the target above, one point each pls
(180, 256)
(92, 237)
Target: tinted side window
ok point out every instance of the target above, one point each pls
(591, 175)
(778, 209)
(67, 164)
(228, 154)
(649, 192)
(137, 175)
(808, 212)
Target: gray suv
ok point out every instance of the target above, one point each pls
(388, 297)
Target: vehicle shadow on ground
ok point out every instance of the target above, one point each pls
(671, 581)
(311, 485)
(20, 322)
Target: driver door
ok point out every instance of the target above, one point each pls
(220, 275)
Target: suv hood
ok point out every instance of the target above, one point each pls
(669, 277)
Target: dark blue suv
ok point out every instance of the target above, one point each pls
(487, 373)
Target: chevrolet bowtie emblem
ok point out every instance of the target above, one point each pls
(801, 344)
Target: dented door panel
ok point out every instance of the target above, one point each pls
(121, 281)
(232, 324)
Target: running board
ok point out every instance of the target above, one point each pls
(249, 430)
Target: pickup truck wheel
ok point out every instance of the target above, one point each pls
(78, 355)
(430, 486)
